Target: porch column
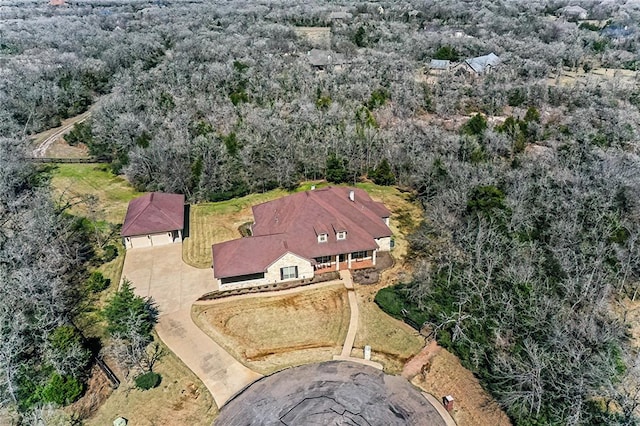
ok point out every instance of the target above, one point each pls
(373, 257)
(349, 261)
(337, 262)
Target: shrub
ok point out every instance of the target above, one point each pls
(97, 282)
(81, 133)
(475, 126)
(484, 199)
(336, 169)
(110, 253)
(68, 354)
(447, 53)
(382, 175)
(394, 301)
(125, 305)
(61, 390)
(148, 380)
(377, 99)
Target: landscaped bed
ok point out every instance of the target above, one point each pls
(269, 333)
(320, 278)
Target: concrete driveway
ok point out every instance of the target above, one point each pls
(159, 272)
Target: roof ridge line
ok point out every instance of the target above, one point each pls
(133, 220)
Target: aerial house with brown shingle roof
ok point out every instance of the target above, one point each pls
(300, 235)
(154, 219)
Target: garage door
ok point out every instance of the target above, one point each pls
(140, 242)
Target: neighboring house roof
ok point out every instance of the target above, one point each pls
(322, 58)
(340, 15)
(292, 224)
(616, 31)
(439, 64)
(481, 63)
(574, 11)
(154, 212)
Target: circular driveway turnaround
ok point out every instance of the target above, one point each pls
(330, 393)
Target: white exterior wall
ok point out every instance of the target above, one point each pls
(240, 284)
(272, 276)
(384, 243)
(305, 270)
(138, 241)
(152, 240)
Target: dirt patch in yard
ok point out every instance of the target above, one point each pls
(61, 149)
(271, 333)
(366, 276)
(440, 373)
(98, 390)
(598, 75)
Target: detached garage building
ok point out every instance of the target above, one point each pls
(155, 219)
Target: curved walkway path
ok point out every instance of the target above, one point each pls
(345, 355)
(159, 272)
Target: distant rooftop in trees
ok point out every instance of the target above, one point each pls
(480, 64)
(340, 15)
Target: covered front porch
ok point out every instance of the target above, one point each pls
(356, 260)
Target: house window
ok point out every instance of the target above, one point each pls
(288, 272)
(322, 238)
(358, 255)
(323, 259)
(341, 235)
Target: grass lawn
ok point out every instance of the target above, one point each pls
(212, 223)
(181, 399)
(94, 191)
(273, 332)
(392, 342)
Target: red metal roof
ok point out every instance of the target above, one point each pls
(154, 212)
(292, 224)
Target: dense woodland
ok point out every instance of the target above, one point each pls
(530, 183)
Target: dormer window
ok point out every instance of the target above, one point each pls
(322, 238)
(341, 235)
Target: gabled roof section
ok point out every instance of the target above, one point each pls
(245, 256)
(152, 213)
(323, 210)
(481, 63)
